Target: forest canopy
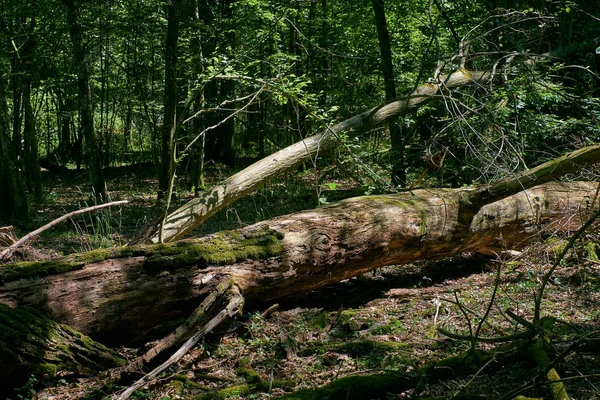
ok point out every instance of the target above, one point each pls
(182, 83)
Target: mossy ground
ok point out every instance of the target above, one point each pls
(366, 333)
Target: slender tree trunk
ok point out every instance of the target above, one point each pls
(167, 164)
(323, 55)
(30, 136)
(85, 101)
(64, 151)
(17, 87)
(197, 152)
(225, 133)
(387, 69)
(31, 145)
(128, 132)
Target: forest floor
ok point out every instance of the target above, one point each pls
(385, 322)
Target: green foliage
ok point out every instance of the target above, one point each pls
(311, 64)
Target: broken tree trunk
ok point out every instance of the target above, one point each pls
(122, 293)
(192, 214)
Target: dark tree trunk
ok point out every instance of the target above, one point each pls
(31, 146)
(387, 69)
(13, 200)
(64, 151)
(85, 101)
(17, 87)
(197, 151)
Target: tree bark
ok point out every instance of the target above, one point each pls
(13, 199)
(122, 293)
(183, 220)
(31, 151)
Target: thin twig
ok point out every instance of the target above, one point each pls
(6, 254)
(571, 243)
(487, 312)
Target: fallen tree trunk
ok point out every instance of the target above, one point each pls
(122, 293)
(192, 214)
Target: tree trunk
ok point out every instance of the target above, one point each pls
(31, 157)
(31, 151)
(131, 291)
(387, 69)
(13, 200)
(167, 164)
(183, 220)
(85, 101)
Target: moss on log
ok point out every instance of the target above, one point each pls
(32, 344)
(134, 290)
(226, 247)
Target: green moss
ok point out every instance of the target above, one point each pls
(345, 316)
(33, 344)
(251, 376)
(321, 321)
(176, 386)
(591, 251)
(239, 390)
(346, 320)
(244, 362)
(31, 269)
(45, 369)
(355, 388)
(224, 248)
(556, 246)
